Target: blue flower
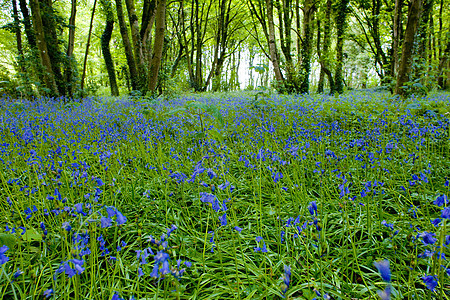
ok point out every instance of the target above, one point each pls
(105, 222)
(428, 238)
(286, 278)
(436, 222)
(441, 200)
(386, 294)
(430, 281)
(312, 208)
(446, 213)
(48, 293)
(383, 268)
(238, 229)
(66, 226)
(223, 220)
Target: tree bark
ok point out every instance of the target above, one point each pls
(70, 47)
(340, 26)
(308, 12)
(49, 76)
(87, 45)
(137, 42)
(408, 44)
(134, 78)
(105, 39)
(272, 46)
(443, 62)
(18, 36)
(159, 44)
(396, 36)
(324, 55)
(27, 24)
(50, 23)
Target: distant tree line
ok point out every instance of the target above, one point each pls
(201, 42)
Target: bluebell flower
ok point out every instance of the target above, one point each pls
(441, 200)
(428, 238)
(431, 281)
(223, 186)
(116, 297)
(445, 214)
(385, 294)
(238, 229)
(171, 229)
(426, 254)
(105, 222)
(120, 218)
(67, 226)
(312, 208)
(383, 268)
(17, 273)
(223, 220)
(436, 222)
(155, 270)
(286, 278)
(48, 293)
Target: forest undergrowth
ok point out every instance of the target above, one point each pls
(225, 197)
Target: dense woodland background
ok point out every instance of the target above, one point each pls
(146, 47)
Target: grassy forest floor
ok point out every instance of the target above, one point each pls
(226, 196)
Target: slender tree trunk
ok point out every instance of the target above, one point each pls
(148, 19)
(70, 47)
(105, 39)
(443, 62)
(408, 44)
(134, 78)
(49, 76)
(423, 35)
(50, 23)
(27, 24)
(308, 12)
(340, 26)
(18, 37)
(324, 56)
(159, 45)
(396, 35)
(186, 45)
(88, 44)
(272, 46)
(137, 42)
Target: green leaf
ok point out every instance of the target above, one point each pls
(8, 240)
(32, 235)
(175, 111)
(216, 134)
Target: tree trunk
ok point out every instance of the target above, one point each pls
(340, 26)
(148, 19)
(308, 12)
(272, 46)
(18, 37)
(87, 45)
(423, 35)
(443, 63)
(324, 56)
(70, 47)
(396, 36)
(27, 24)
(49, 76)
(127, 46)
(105, 39)
(50, 23)
(159, 44)
(408, 44)
(137, 42)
